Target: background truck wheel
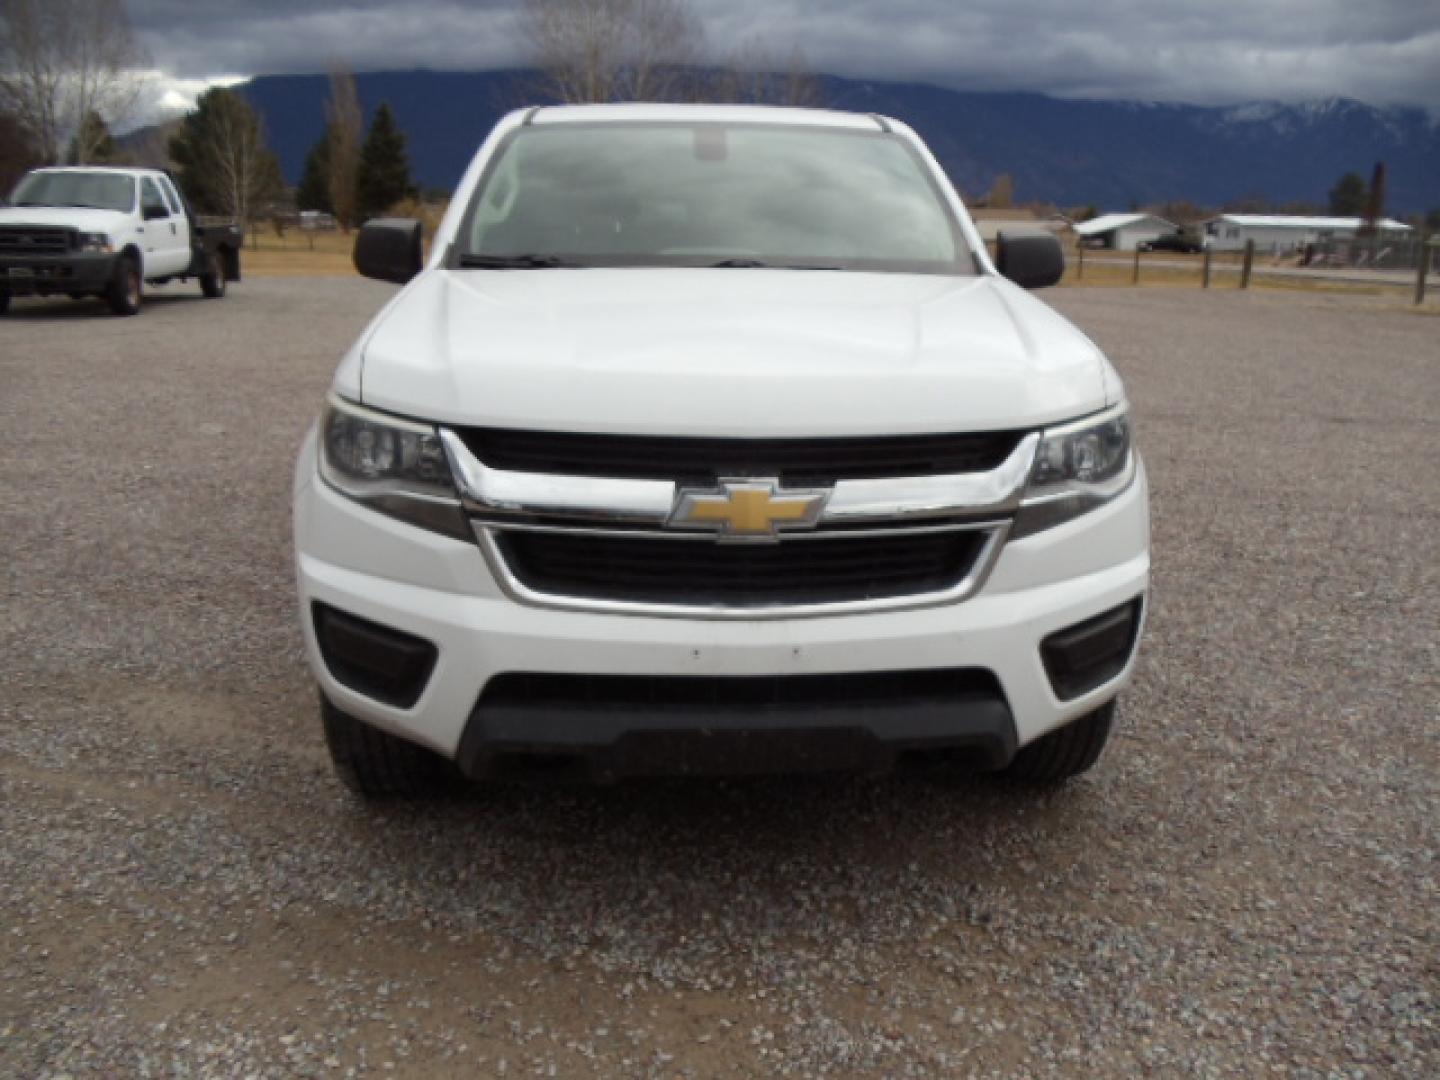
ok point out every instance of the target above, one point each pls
(4, 301)
(212, 281)
(124, 292)
(1066, 752)
(375, 765)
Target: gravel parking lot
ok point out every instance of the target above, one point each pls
(1246, 885)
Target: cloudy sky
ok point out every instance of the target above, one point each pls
(1200, 51)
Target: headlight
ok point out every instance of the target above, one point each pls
(95, 242)
(1077, 467)
(394, 466)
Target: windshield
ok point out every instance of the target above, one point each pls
(102, 191)
(710, 194)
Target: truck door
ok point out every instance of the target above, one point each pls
(167, 235)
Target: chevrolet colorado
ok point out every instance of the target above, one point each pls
(101, 231)
(711, 438)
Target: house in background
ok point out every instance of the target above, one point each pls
(1123, 232)
(1281, 233)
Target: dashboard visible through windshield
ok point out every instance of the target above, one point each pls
(710, 194)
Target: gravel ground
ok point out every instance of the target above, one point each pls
(1246, 885)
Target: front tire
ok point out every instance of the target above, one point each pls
(4, 301)
(124, 292)
(1066, 752)
(377, 765)
(212, 281)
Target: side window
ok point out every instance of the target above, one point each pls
(151, 201)
(168, 190)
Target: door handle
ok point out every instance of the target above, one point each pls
(172, 229)
(138, 229)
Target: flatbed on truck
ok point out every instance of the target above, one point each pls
(104, 231)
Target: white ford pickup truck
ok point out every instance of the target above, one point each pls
(103, 231)
(712, 438)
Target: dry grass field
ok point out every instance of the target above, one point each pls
(1171, 271)
(328, 254)
(298, 254)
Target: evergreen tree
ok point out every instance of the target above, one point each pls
(1349, 196)
(384, 166)
(220, 153)
(314, 190)
(92, 144)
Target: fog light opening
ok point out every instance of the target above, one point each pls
(380, 662)
(1089, 654)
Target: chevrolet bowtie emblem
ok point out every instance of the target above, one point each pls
(751, 509)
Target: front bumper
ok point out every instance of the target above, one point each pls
(440, 591)
(30, 275)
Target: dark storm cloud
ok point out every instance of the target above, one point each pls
(1204, 51)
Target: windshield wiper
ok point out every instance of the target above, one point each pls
(512, 262)
(756, 264)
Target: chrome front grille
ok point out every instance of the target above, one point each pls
(622, 544)
(35, 240)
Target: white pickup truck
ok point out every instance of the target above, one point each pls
(101, 231)
(713, 438)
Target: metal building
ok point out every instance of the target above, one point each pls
(1122, 232)
(1281, 233)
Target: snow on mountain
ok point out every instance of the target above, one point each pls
(1071, 152)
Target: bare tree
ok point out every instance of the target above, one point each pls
(755, 76)
(346, 124)
(244, 168)
(222, 157)
(18, 153)
(613, 50)
(1002, 193)
(63, 60)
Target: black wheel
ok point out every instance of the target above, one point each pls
(1066, 752)
(77, 295)
(4, 301)
(376, 765)
(212, 281)
(123, 295)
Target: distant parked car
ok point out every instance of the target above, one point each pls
(1187, 245)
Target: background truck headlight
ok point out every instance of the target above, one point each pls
(392, 465)
(95, 243)
(1077, 467)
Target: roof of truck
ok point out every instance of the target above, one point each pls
(119, 170)
(731, 114)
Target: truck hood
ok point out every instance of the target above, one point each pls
(740, 352)
(70, 217)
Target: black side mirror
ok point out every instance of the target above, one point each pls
(155, 213)
(390, 249)
(1031, 260)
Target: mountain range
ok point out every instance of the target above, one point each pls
(1109, 154)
